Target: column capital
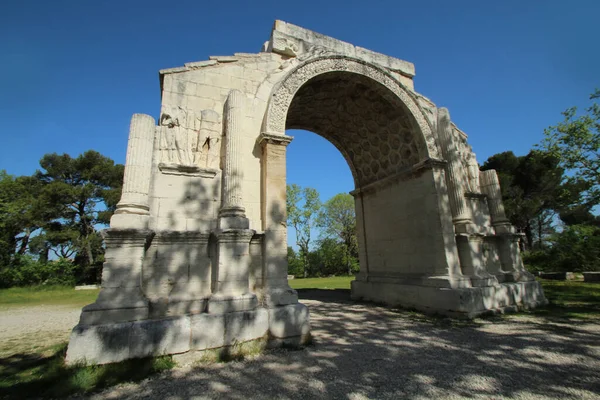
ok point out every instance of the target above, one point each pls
(274, 138)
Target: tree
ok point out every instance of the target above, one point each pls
(22, 213)
(532, 191)
(331, 258)
(576, 143)
(84, 191)
(295, 266)
(337, 220)
(302, 206)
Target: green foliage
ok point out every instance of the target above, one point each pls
(57, 210)
(337, 220)
(576, 143)
(302, 206)
(532, 191)
(295, 265)
(337, 249)
(575, 249)
(332, 258)
(25, 271)
(85, 191)
(22, 212)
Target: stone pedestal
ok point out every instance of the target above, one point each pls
(109, 343)
(471, 254)
(457, 302)
(231, 285)
(121, 297)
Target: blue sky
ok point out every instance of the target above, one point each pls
(73, 72)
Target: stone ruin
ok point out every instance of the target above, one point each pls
(196, 253)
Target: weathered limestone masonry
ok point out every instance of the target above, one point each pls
(196, 251)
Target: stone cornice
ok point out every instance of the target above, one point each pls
(187, 170)
(273, 138)
(409, 173)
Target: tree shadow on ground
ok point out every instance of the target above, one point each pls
(363, 350)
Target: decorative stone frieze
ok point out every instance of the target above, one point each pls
(189, 139)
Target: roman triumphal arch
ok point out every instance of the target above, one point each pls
(196, 253)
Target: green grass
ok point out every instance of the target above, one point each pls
(334, 282)
(44, 374)
(570, 299)
(46, 295)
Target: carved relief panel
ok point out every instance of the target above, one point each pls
(190, 141)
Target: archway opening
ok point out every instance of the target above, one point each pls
(364, 120)
(380, 141)
(321, 231)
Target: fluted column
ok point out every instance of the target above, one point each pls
(507, 240)
(138, 166)
(231, 290)
(490, 186)
(133, 208)
(232, 204)
(455, 175)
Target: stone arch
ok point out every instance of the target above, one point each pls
(223, 271)
(285, 91)
(400, 196)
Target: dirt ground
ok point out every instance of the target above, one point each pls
(364, 351)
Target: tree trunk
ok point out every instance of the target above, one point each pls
(529, 236)
(24, 242)
(540, 231)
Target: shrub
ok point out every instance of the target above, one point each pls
(575, 249)
(25, 271)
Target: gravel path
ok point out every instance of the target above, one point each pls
(25, 327)
(363, 351)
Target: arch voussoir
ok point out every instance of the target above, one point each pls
(283, 93)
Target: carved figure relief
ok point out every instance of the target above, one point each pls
(190, 140)
(468, 160)
(473, 173)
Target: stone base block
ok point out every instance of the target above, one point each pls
(96, 316)
(591, 276)
(515, 276)
(292, 320)
(220, 304)
(108, 343)
(103, 344)
(280, 296)
(461, 302)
